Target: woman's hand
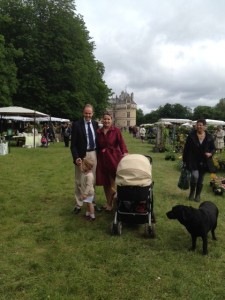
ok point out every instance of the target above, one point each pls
(208, 154)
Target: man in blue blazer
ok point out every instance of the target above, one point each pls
(83, 144)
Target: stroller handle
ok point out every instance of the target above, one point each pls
(149, 158)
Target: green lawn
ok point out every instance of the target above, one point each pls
(49, 253)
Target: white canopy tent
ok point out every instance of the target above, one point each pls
(163, 123)
(22, 112)
(52, 119)
(187, 125)
(174, 121)
(215, 122)
(18, 118)
(39, 119)
(212, 122)
(147, 125)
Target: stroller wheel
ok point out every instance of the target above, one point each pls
(116, 229)
(150, 231)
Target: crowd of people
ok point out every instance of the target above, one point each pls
(97, 151)
(57, 133)
(104, 147)
(50, 132)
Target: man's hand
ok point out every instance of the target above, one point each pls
(78, 161)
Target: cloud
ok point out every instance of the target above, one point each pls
(162, 51)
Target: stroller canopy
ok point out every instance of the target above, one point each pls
(134, 170)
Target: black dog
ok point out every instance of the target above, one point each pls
(198, 222)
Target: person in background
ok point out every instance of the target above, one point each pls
(44, 141)
(58, 136)
(35, 131)
(51, 133)
(111, 148)
(28, 128)
(197, 157)
(219, 139)
(66, 134)
(87, 187)
(83, 144)
(142, 133)
(135, 131)
(44, 131)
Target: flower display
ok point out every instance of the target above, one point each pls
(217, 184)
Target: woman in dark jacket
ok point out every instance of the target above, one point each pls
(197, 157)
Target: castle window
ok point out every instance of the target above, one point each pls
(128, 114)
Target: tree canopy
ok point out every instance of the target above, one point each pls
(177, 111)
(47, 63)
(56, 71)
(8, 80)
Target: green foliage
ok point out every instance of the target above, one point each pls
(168, 111)
(8, 80)
(202, 112)
(151, 117)
(139, 117)
(58, 72)
(174, 110)
(177, 111)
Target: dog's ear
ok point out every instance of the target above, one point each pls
(185, 213)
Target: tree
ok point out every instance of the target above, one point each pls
(182, 112)
(58, 72)
(8, 81)
(203, 112)
(139, 116)
(219, 110)
(174, 111)
(151, 117)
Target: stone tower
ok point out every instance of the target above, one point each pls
(123, 110)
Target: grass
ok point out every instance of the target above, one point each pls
(49, 253)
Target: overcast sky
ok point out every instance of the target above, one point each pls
(164, 51)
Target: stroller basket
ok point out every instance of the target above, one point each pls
(134, 199)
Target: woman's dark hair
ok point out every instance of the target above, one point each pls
(107, 113)
(203, 121)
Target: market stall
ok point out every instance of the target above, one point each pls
(16, 111)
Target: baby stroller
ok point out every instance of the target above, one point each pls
(134, 203)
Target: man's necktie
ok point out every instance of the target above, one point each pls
(90, 136)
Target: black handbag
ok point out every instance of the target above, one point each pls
(184, 179)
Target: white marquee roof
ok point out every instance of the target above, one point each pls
(20, 111)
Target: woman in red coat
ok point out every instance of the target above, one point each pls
(111, 148)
